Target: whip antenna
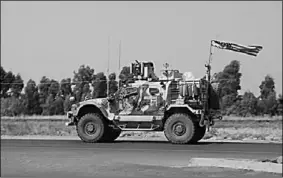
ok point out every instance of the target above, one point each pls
(119, 64)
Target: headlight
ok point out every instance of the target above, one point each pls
(72, 98)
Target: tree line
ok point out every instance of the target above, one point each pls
(51, 97)
(267, 103)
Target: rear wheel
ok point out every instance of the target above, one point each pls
(179, 128)
(91, 128)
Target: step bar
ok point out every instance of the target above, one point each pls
(123, 127)
(135, 118)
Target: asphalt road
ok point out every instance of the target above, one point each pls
(46, 158)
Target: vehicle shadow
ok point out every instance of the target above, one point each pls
(167, 142)
(160, 142)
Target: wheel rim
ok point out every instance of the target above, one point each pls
(91, 128)
(179, 129)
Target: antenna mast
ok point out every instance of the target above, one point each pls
(108, 66)
(119, 64)
(119, 56)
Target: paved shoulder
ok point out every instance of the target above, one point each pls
(122, 159)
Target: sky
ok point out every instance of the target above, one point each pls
(54, 39)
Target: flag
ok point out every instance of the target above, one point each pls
(252, 50)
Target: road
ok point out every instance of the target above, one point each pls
(72, 158)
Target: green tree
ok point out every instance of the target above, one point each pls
(65, 87)
(17, 86)
(113, 84)
(4, 87)
(54, 88)
(125, 76)
(86, 92)
(99, 86)
(55, 103)
(229, 84)
(18, 107)
(43, 90)
(280, 105)
(66, 90)
(247, 105)
(229, 79)
(83, 76)
(32, 105)
(268, 104)
(67, 103)
(271, 104)
(12, 106)
(5, 104)
(234, 108)
(229, 103)
(266, 87)
(58, 105)
(6, 82)
(48, 107)
(49, 90)
(260, 107)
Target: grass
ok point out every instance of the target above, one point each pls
(36, 117)
(57, 128)
(260, 128)
(256, 118)
(268, 134)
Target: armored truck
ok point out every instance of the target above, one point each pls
(183, 108)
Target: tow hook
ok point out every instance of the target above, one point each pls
(70, 116)
(69, 123)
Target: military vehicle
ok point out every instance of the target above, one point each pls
(183, 108)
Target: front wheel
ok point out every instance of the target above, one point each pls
(179, 128)
(91, 128)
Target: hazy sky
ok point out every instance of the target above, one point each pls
(55, 38)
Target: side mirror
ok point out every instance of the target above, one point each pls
(153, 91)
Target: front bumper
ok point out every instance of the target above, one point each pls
(71, 119)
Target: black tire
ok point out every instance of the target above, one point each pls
(92, 120)
(199, 133)
(111, 134)
(184, 123)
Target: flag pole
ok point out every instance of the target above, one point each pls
(209, 75)
(208, 66)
